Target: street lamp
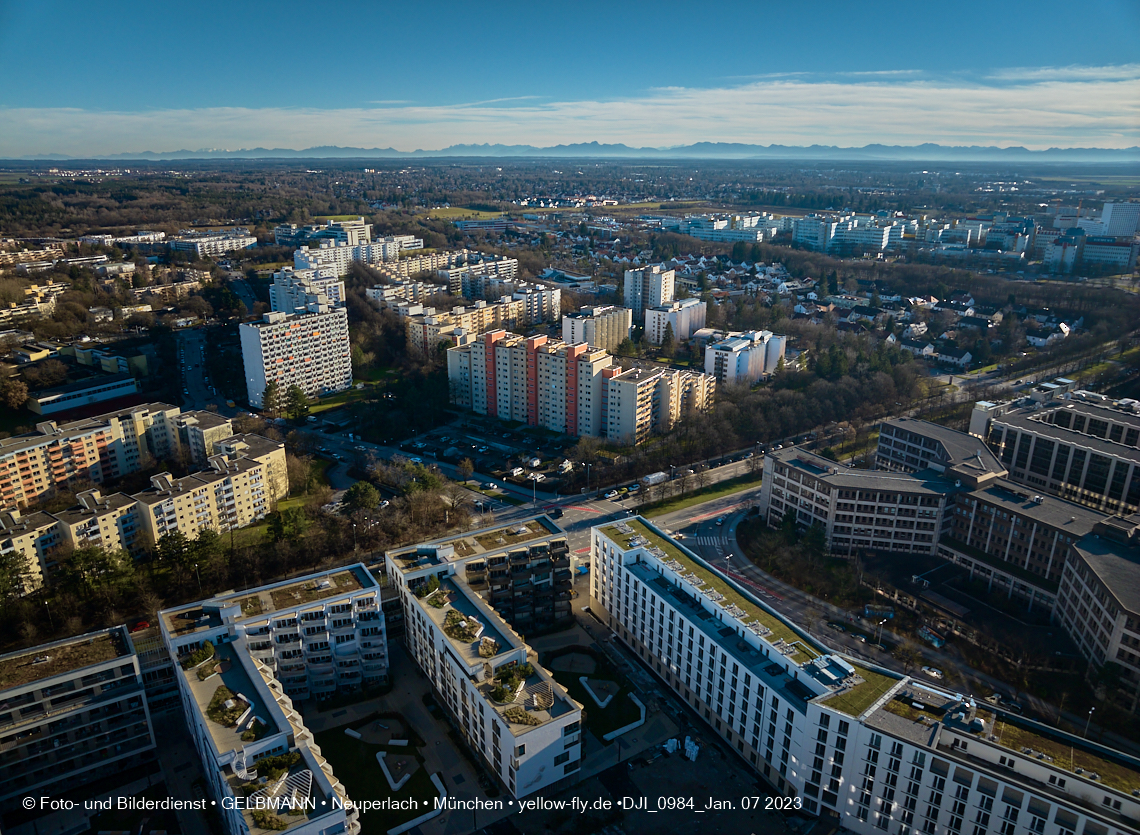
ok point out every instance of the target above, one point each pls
(1087, 722)
(879, 640)
(354, 537)
(588, 465)
(199, 576)
(533, 489)
(672, 467)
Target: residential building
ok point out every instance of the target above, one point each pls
(1084, 450)
(648, 287)
(639, 401)
(533, 380)
(599, 326)
(391, 295)
(99, 448)
(309, 637)
(333, 257)
(211, 244)
(477, 275)
(686, 316)
(108, 522)
(349, 232)
(856, 509)
(427, 329)
(233, 493)
(71, 712)
(200, 431)
(744, 358)
(264, 451)
(463, 599)
(83, 393)
(861, 747)
(309, 350)
(294, 291)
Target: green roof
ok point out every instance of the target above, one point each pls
(713, 581)
(857, 699)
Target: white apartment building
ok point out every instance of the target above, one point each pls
(600, 326)
(311, 636)
(529, 736)
(336, 256)
(310, 350)
(814, 232)
(648, 287)
(743, 359)
(71, 712)
(391, 295)
(211, 245)
(686, 316)
(859, 746)
(294, 291)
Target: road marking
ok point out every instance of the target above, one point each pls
(584, 508)
(724, 511)
(582, 550)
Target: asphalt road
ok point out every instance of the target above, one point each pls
(192, 365)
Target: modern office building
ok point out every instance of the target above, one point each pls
(648, 287)
(599, 326)
(685, 316)
(1085, 448)
(71, 712)
(349, 232)
(1099, 603)
(861, 747)
(857, 509)
(244, 657)
(1120, 220)
(99, 448)
(309, 350)
(522, 723)
(744, 358)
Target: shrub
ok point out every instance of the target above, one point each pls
(268, 820)
(217, 710)
(207, 670)
(488, 648)
(437, 601)
(255, 733)
(198, 656)
(520, 716)
(427, 588)
(459, 627)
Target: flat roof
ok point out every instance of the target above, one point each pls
(928, 481)
(458, 601)
(265, 600)
(32, 439)
(959, 446)
(20, 667)
(480, 543)
(1118, 567)
(1030, 420)
(232, 675)
(1073, 519)
(75, 515)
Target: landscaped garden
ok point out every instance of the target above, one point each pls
(570, 664)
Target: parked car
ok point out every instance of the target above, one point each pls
(490, 485)
(933, 672)
(383, 504)
(612, 494)
(633, 488)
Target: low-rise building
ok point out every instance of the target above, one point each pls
(83, 393)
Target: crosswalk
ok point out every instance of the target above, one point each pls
(712, 541)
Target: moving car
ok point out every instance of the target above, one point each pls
(720, 520)
(933, 672)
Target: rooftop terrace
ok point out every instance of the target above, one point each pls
(477, 543)
(50, 660)
(253, 602)
(222, 720)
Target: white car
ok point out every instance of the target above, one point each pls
(613, 494)
(933, 672)
(490, 485)
(383, 504)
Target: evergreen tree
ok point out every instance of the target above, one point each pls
(271, 399)
(668, 341)
(296, 403)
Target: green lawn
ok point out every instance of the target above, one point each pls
(354, 763)
(335, 401)
(704, 494)
(459, 213)
(253, 534)
(600, 721)
(856, 700)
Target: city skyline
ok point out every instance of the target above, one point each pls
(646, 78)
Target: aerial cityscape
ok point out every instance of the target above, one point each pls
(642, 419)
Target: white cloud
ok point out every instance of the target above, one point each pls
(1037, 108)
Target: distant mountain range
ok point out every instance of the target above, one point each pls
(700, 150)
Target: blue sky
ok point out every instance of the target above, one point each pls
(106, 77)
